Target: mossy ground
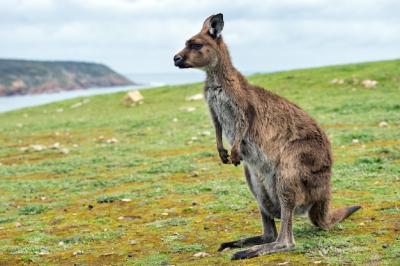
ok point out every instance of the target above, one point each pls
(66, 208)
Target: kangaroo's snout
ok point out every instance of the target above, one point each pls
(179, 60)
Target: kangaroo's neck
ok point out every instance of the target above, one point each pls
(223, 74)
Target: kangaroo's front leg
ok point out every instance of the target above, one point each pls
(242, 126)
(223, 153)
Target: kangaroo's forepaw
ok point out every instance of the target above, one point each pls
(223, 154)
(261, 250)
(235, 157)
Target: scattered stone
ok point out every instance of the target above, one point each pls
(64, 151)
(55, 146)
(24, 149)
(43, 252)
(164, 214)
(126, 200)
(337, 81)
(133, 97)
(226, 249)
(129, 218)
(43, 198)
(361, 224)
(385, 245)
(205, 133)
(194, 138)
(76, 105)
(2, 228)
(355, 141)
(194, 174)
(75, 145)
(77, 253)
(112, 141)
(369, 84)
(38, 147)
(195, 97)
(201, 255)
(130, 255)
(383, 124)
(18, 224)
(133, 242)
(317, 262)
(61, 243)
(190, 109)
(175, 120)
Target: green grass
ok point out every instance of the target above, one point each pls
(65, 208)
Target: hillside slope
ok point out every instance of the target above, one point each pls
(18, 77)
(106, 184)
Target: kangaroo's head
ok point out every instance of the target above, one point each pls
(205, 49)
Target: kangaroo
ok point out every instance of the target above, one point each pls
(287, 157)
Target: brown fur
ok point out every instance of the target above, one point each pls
(297, 152)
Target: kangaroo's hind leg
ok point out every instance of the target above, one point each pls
(269, 227)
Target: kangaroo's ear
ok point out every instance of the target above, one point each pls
(214, 25)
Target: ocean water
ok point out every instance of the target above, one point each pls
(144, 81)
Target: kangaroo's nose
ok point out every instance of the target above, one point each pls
(178, 59)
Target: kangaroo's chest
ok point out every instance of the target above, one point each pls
(225, 109)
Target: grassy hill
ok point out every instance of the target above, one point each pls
(143, 185)
(18, 77)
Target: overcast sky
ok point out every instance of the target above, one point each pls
(141, 36)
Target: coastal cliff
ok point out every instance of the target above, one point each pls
(20, 77)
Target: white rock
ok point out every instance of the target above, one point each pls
(112, 141)
(190, 109)
(355, 141)
(337, 81)
(55, 146)
(383, 124)
(195, 97)
(201, 255)
(38, 147)
(43, 252)
(369, 84)
(133, 97)
(206, 133)
(126, 200)
(64, 151)
(132, 242)
(24, 149)
(76, 105)
(78, 252)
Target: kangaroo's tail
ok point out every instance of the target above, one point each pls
(324, 218)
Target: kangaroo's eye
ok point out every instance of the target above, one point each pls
(196, 46)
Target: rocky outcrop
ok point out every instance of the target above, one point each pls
(19, 77)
